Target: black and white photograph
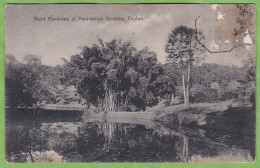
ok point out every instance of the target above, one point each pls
(130, 83)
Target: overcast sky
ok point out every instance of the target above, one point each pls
(55, 40)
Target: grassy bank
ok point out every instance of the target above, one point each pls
(199, 114)
(196, 114)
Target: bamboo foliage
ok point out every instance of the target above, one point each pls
(115, 76)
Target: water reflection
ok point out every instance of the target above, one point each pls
(101, 141)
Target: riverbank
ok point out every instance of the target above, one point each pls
(199, 114)
(194, 114)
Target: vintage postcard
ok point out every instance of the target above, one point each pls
(130, 83)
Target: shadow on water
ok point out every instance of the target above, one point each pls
(67, 139)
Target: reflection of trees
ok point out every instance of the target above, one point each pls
(123, 142)
(33, 142)
(185, 150)
(108, 142)
(22, 140)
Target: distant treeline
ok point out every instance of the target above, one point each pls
(115, 76)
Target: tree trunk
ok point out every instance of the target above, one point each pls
(188, 85)
(171, 96)
(110, 100)
(183, 86)
(185, 151)
(189, 66)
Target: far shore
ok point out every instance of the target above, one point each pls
(198, 114)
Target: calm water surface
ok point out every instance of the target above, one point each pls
(72, 140)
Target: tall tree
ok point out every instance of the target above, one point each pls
(182, 48)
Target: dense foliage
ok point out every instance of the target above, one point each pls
(125, 79)
(31, 84)
(116, 76)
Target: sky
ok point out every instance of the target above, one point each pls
(53, 40)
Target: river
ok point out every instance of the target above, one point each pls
(68, 138)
